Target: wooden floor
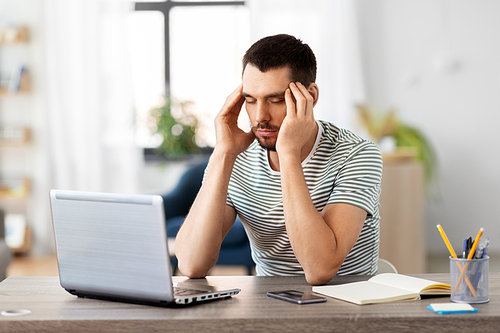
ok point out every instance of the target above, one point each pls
(47, 266)
(33, 266)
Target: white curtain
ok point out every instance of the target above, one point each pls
(89, 105)
(329, 27)
(88, 131)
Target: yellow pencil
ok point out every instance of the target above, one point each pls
(454, 255)
(469, 257)
(446, 241)
(474, 246)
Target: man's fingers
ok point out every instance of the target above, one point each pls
(303, 97)
(232, 107)
(290, 103)
(238, 105)
(233, 99)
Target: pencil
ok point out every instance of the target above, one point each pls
(454, 255)
(446, 241)
(474, 246)
(471, 255)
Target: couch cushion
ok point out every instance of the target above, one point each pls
(235, 237)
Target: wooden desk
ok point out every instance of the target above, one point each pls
(53, 309)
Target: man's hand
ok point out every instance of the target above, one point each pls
(198, 241)
(231, 139)
(299, 125)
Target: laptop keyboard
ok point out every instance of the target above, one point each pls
(179, 291)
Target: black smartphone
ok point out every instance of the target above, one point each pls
(297, 297)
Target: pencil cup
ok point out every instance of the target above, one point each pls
(469, 280)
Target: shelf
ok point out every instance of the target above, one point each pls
(8, 93)
(14, 189)
(20, 84)
(14, 36)
(402, 208)
(15, 179)
(406, 154)
(12, 43)
(13, 137)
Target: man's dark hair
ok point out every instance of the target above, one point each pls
(280, 51)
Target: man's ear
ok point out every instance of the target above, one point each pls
(314, 91)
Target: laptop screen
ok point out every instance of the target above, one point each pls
(113, 244)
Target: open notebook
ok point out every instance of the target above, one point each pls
(384, 288)
(114, 247)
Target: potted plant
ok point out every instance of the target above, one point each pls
(406, 137)
(177, 125)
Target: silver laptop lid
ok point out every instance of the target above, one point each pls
(113, 244)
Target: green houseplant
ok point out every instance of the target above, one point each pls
(177, 126)
(406, 136)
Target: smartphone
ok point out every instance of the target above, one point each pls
(297, 297)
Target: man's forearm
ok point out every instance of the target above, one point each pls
(198, 242)
(312, 240)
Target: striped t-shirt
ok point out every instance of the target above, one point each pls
(341, 168)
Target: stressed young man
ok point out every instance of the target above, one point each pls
(306, 191)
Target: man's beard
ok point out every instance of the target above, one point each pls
(263, 142)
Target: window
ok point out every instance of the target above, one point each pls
(206, 46)
(147, 62)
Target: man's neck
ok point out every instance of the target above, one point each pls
(273, 157)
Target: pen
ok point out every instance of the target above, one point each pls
(464, 253)
(468, 247)
(480, 253)
(454, 255)
(486, 244)
(471, 254)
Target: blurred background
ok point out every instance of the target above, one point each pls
(83, 86)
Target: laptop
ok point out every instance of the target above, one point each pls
(114, 247)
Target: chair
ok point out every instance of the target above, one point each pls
(235, 249)
(384, 266)
(5, 252)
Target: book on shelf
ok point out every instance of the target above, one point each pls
(15, 228)
(384, 288)
(17, 79)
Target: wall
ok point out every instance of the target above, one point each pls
(437, 63)
(329, 28)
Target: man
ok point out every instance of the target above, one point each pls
(306, 191)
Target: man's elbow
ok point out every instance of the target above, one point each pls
(321, 276)
(192, 271)
(195, 266)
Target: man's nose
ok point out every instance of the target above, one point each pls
(262, 115)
